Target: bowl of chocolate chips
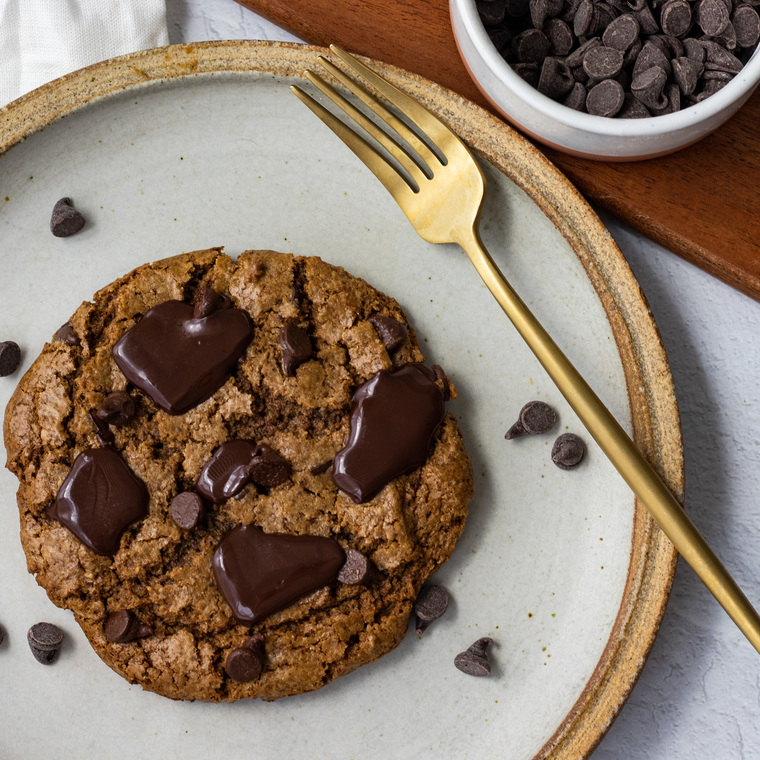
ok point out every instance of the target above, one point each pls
(612, 79)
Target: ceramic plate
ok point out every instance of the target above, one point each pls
(189, 147)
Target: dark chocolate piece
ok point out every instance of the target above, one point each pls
(187, 510)
(296, 347)
(568, 451)
(207, 301)
(268, 468)
(124, 626)
(390, 330)
(65, 219)
(178, 360)
(321, 469)
(117, 409)
(99, 499)
(246, 662)
(431, 603)
(45, 641)
(259, 573)
(10, 358)
(357, 569)
(535, 418)
(474, 660)
(104, 433)
(227, 472)
(394, 417)
(67, 334)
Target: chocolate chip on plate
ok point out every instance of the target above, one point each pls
(246, 662)
(45, 641)
(431, 603)
(390, 330)
(535, 417)
(357, 568)
(117, 408)
(568, 451)
(65, 220)
(296, 347)
(474, 660)
(187, 510)
(124, 626)
(10, 357)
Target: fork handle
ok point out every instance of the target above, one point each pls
(618, 447)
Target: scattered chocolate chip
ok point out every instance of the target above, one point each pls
(474, 660)
(117, 409)
(45, 641)
(296, 347)
(268, 468)
(568, 451)
(357, 568)
(431, 603)
(321, 469)
(246, 662)
(67, 335)
(207, 301)
(10, 358)
(124, 626)
(104, 433)
(535, 417)
(187, 510)
(65, 220)
(390, 330)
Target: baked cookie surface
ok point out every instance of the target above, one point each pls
(152, 590)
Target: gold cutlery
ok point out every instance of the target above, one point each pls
(441, 191)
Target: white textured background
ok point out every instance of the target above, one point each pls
(699, 695)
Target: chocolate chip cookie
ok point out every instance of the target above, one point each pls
(209, 449)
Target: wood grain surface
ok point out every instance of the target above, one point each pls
(702, 203)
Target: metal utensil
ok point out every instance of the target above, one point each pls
(441, 192)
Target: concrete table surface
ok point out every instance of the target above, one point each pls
(699, 694)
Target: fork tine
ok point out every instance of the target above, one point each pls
(430, 158)
(401, 155)
(431, 125)
(396, 185)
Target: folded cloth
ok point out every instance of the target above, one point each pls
(41, 40)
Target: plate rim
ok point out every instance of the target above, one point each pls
(654, 411)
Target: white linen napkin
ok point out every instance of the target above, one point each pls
(41, 40)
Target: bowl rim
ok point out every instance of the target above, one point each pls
(705, 112)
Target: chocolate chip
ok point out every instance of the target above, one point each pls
(694, 49)
(648, 87)
(296, 347)
(124, 626)
(555, 79)
(531, 46)
(474, 660)
(117, 409)
(10, 358)
(45, 641)
(575, 58)
(541, 10)
(686, 73)
(535, 417)
(390, 330)
(246, 662)
(67, 335)
(65, 220)
(675, 18)
(560, 36)
(621, 33)
(717, 58)
(321, 469)
(104, 433)
(431, 603)
(207, 301)
(568, 451)
(712, 16)
(651, 55)
(357, 569)
(268, 468)
(633, 109)
(530, 72)
(746, 23)
(605, 98)
(576, 98)
(603, 63)
(187, 510)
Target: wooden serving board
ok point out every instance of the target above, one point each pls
(702, 203)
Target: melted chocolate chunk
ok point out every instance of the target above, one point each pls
(246, 663)
(100, 498)
(296, 347)
(268, 468)
(67, 335)
(117, 409)
(207, 301)
(259, 573)
(104, 433)
(227, 472)
(394, 416)
(390, 330)
(124, 626)
(180, 360)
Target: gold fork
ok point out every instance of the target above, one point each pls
(443, 202)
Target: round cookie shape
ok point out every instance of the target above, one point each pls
(295, 415)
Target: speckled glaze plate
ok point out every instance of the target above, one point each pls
(188, 147)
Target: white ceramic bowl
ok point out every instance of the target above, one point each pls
(571, 131)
